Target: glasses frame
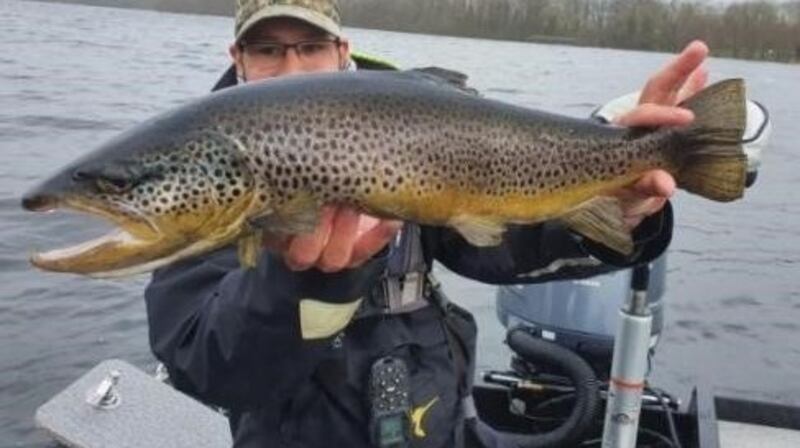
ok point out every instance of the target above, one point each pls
(243, 44)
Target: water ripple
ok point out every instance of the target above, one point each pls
(57, 122)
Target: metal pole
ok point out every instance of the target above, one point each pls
(629, 366)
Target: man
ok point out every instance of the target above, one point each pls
(273, 345)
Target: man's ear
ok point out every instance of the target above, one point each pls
(344, 53)
(237, 58)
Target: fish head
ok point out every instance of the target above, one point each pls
(169, 198)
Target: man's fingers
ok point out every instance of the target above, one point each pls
(664, 86)
(696, 82)
(654, 115)
(645, 197)
(305, 250)
(366, 224)
(372, 241)
(656, 183)
(337, 253)
(645, 207)
(637, 211)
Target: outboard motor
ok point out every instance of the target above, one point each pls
(581, 315)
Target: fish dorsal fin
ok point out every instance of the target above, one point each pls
(601, 220)
(298, 215)
(477, 230)
(446, 77)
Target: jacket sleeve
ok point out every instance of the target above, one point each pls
(546, 252)
(231, 336)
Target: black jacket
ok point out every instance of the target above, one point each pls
(231, 337)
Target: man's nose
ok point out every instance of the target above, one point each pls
(291, 63)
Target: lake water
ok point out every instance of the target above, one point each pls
(73, 76)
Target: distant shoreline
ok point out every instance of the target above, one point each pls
(152, 5)
(225, 9)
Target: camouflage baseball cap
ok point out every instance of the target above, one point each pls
(323, 14)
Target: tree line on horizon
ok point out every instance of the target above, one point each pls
(764, 30)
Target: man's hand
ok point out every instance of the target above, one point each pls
(681, 78)
(343, 239)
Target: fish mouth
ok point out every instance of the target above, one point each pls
(135, 245)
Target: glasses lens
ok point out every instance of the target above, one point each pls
(312, 53)
(266, 53)
(316, 53)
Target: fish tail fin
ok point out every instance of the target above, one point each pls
(712, 161)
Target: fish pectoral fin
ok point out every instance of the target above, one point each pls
(479, 231)
(299, 215)
(250, 248)
(601, 219)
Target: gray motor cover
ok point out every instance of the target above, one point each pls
(580, 314)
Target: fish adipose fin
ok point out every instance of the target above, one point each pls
(712, 162)
(477, 230)
(601, 219)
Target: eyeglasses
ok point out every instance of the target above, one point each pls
(311, 53)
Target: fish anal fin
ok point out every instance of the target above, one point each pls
(601, 220)
(478, 231)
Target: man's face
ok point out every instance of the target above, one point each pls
(260, 58)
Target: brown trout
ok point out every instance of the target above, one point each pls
(403, 145)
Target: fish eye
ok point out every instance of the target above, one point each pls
(113, 185)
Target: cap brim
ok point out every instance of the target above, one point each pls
(313, 18)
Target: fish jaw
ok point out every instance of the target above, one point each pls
(139, 244)
(135, 241)
(117, 253)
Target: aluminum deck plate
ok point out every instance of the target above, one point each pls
(149, 413)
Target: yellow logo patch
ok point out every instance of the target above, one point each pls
(417, 415)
